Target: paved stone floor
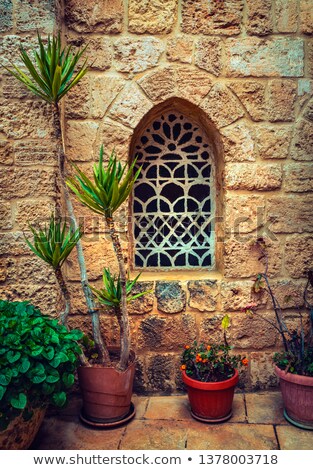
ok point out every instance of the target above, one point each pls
(165, 423)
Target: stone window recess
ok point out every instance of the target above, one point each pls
(173, 199)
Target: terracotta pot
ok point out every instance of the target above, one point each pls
(297, 393)
(211, 401)
(20, 434)
(106, 392)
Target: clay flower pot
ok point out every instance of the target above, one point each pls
(297, 394)
(211, 401)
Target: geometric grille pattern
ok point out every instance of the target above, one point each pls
(172, 198)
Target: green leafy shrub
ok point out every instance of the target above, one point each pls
(38, 359)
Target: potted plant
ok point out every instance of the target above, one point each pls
(294, 364)
(210, 373)
(38, 358)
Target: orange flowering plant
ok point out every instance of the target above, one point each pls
(211, 362)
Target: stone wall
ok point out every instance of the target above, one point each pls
(247, 67)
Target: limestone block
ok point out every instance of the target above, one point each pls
(290, 214)
(236, 295)
(35, 212)
(160, 371)
(130, 106)
(273, 142)
(143, 304)
(221, 18)
(45, 297)
(298, 177)
(308, 111)
(27, 182)
(154, 17)
(262, 373)
(180, 49)
(244, 213)
(278, 57)
(6, 222)
(221, 106)
(203, 295)
(210, 330)
(310, 57)
(252, 333)
(13, 89)
(252, 95)
(239, 143)
(160, 84)
(306, 17)
(281, 101)
(9, 48)
(35, 152)
(302, 144)
(114, 136)
(192, 86)
(77, 100)
(286, 15)
(4, 266)
(6, 152)
(6, 16)
(95, 16)
(13, 244)
(241, 259)
(81, 137)
(259, 21)
(30, 270)
(170, 296)
(168, 333)
(253, 176)
(136, 55)
(299, 255)
(208, 55)
(104, 89)
(289, 293)
(35, 15)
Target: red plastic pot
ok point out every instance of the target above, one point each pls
(211, 401)
(297, 394)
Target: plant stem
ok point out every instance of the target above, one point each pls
(103, 353)
(66, 295)
(125, 331)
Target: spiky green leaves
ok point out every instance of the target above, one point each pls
(52, 73)
(112, 291)
(110, 187)
(54, 243)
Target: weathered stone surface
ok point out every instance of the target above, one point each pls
(281, 101)
(239, 143)
(299, 255)
(279, 57)
(35, 15)
(241, 259)
(9, 49)
(252, 95)
(96, 16)
(288, 293)
(30, 270)
(259, 20)
(130, 106)
(81, 137)
(4, 266)
(306, 17)
(309, 46)
(203, 295)
(137, 55)
(244, 213)
(143, 304)
(192, 86)
(35, 152)
(42, 296)
(13, 243)
(298, 177)
(99, 50)
(6, 152)
(37, 213)
(27, 182)
(160, 373)
(210, 330)
(6, 222)
(6, 16)
(273, 142)
(180, 49)
(236, 295)
(290, 214)
(114, 136)
(253, 333)
(77, 100)
(104, 89)
(308, 111)
(166, 333)
(160, 84)
(302, 144)
(201, 17)
(292, 438)
(252, 176)
(154, 17)
(170, 296)
(265, 408)
(262, 371)
(208, 55)
(221, 106)
(286, 15)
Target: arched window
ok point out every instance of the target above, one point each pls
(173, 199)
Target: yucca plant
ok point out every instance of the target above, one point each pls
(104, 194)
(50, 73)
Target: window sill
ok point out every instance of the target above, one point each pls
(183, 275)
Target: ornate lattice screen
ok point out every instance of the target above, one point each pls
(173, 197)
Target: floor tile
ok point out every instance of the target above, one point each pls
(264, 408)
(292, 438)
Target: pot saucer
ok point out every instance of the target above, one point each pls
(300, 425)
(211, 420)
(103, 424)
